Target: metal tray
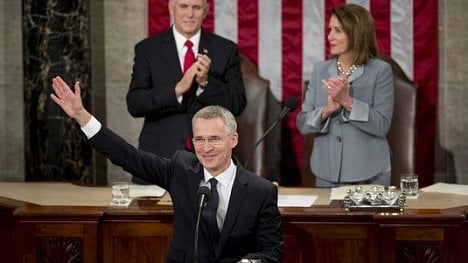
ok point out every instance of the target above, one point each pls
(376, 204)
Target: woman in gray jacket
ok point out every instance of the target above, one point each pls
(348, 105)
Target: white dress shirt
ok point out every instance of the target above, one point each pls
(91, 128)
(182, 49)
(224, 187)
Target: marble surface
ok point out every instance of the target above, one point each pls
(125, 24)
(67, 194)
(425, 200)
(437, 201)
(11, 92)
(452, 100)
(56, 43)
(57, 194)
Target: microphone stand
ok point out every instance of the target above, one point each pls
(197, 227)
(259, 141)
(203, 194)
(288, 106)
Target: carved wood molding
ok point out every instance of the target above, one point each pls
(60, 249)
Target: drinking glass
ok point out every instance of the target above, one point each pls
(120, 194)
(409, 185)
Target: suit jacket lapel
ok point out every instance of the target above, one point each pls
(170, 55)
(238, 195)
(194, 184)
(205, 44)
(356, 74)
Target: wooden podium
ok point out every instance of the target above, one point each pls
(39, 224)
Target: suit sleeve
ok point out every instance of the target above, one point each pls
(147, 166)
(144, 99)
(309, 119)
(269, 240)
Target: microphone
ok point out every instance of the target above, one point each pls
(203, 194)
(289, 105)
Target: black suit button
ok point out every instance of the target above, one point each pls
(338, 139)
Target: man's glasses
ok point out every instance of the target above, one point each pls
(212, 140)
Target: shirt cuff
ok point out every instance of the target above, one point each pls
(199, 91)
(91, 128)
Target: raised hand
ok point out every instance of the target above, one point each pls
(70, 101)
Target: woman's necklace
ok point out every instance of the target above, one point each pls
(341, 71)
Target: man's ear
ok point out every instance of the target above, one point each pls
(207, 9)
(234, 139)
(170, 6)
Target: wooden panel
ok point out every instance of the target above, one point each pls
(344, 250)
(136, 242)
(57, 241)
(58, 229)
(59, 249)
(139, 249)
(132, 228)
(418, 233)
(421, 251)
(6, 239)
(91, 243)
(329, 230)
(142, 233)
(460, 243)
(413, 243)
(293, 247)
(330, 242)
(423, 244)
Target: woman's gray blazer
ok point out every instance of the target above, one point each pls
(350, 146)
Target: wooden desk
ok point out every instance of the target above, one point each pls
(427, 231)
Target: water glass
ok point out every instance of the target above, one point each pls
(409, 185)
(120, 194)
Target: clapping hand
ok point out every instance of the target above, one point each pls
(332, 105)
(197, 72)
(338, 90)
(203, 67)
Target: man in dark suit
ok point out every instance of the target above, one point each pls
(167, 92)
(245, 221)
